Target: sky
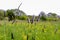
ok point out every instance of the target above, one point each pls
(32, 7)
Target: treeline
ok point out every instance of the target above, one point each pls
(12, 14)
(46, 17)
(49, 17)
(20, 15)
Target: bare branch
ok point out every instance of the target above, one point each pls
(19, 5)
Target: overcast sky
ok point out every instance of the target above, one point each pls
(32, 7)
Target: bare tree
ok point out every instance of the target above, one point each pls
(17, 13)
(32, 20)
(28, 19)
(38, 18)
(19, 6)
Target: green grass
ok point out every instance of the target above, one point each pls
(20, 30)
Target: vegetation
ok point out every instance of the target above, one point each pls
(20, 15)
(1, 14)
(42, 27)
(25, 31)
(11, 15)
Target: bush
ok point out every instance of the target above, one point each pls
(43, 18)
(52, 19)
(22, 17)
(1, 14)
(11, 15)
(1, 18)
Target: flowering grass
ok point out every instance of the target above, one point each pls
(26, 31)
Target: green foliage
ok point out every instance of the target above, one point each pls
(22, 17)
(54, 14)
(11, 15)
(20, 30)
(1, 14)
(43, 18)
(52, 19)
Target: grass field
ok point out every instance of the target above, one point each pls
(25, 31)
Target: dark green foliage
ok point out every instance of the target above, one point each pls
(14, 14)
(43, 18)
(33, 38)
(11, 15)
(27, 37)
(12, 37)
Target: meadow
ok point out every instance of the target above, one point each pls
(43, 30)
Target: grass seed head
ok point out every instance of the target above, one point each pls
(33, 38)
(42, 30)
(27, 37)
(13, 21)
(38, 18)
(12, 37)
(44, 26)
(32, 21)
(28, 20)
(56, 30)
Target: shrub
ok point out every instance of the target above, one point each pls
(1, 14)
(43, 18)
(11, 15)
(22, 17)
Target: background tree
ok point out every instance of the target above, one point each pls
(52, 16)
(1, 14)
(43, 16)
(11, 15)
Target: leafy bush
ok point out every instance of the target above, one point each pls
(1, 14)
(22, 17)
(11, 15)
(43, 18)
(52, 19)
